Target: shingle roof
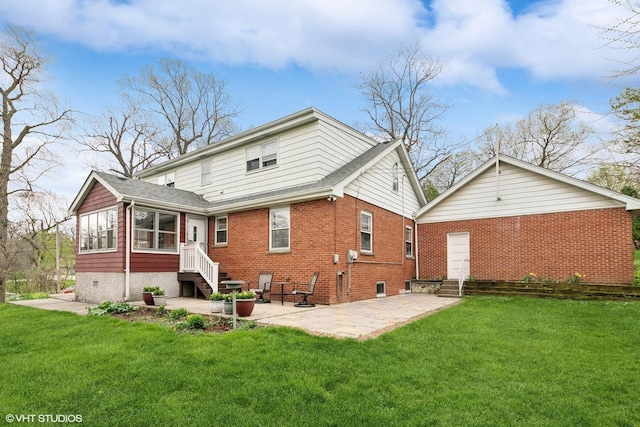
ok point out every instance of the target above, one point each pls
(135, 189)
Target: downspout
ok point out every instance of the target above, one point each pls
(416, 251)
(127, 254)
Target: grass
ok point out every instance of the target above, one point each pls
(487, 361)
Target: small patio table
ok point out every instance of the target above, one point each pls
(282, 290)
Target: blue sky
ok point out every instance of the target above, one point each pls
(503, 58)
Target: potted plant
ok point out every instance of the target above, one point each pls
(217, 302)
(159, 298)
(245, 302)
(147, 294)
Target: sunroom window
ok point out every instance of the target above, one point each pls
(99, 230)
(155, 231)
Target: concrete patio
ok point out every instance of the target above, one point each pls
(359, 320)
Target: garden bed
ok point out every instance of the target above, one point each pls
(552, 290)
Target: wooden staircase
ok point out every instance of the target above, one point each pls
(449, 288)
(200, 285)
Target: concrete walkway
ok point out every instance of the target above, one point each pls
(359, 320)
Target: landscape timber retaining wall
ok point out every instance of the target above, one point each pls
(553, 290)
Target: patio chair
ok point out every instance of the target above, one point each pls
(264, 286)
(305, 294)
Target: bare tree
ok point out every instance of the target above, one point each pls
(195, 106)
(456, 166)
(624, 36)
(402, 106)
(551, 137)
(31, 122)
(126, 135)
(37, 219)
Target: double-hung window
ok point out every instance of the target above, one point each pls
(168, 179)
(394, 178)
(279, 226)
(366, 232)
(408, 238)
(99, 230)
(155, 231)
(221, 231)
(262, 156)
(205, 172)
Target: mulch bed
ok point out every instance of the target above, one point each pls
(213, 323)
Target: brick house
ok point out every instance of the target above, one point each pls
(508, 219)
(294, 196)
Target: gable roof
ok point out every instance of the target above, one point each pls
(630, 203)
(332, 185)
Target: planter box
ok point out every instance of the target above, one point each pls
(159, 300)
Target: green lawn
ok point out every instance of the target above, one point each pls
(486, 361)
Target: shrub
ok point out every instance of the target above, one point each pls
(178, 313)
(196, 321)
(110, 307)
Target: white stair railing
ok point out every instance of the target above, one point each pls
(194, 259)
(461, 276)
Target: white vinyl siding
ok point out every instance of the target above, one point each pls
(521, 192)
(374, 187)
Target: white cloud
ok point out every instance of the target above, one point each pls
(550, 39)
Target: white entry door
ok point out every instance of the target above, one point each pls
(457, 254)
(197, 231)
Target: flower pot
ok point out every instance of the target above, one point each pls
(147, 297)
(228, 307)
(217, 306)
(244, 307)
(159, 299)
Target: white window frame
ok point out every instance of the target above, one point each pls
(168, 179)
(275, 227)
(383, 284)
(110, 233)
(394, 178)
(218, 229)
(155, 232)
(368, 230)
(205, 172)
(262, 156)
(408, 241)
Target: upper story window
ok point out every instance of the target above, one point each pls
(99, 230)
(221, 230)
(155, 231)
(262, 156)
(279, 226)
(205, 172)
(168, 179)
(394, 177)
(408, 238)
(366, 232)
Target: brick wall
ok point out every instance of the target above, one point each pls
(319, 229)
(596, 243)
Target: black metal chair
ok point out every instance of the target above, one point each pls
(264, 286)
(305, 294)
